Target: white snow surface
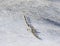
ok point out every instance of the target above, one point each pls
(13, 28)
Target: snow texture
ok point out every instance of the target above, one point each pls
(29, 23)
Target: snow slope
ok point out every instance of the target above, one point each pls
(42, 14)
